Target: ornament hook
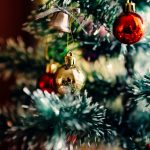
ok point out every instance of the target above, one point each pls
(129, 6)
(69, 59)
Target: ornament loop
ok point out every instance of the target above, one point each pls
(129, 6)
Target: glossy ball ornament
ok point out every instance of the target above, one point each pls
(68, 77)
(128, 28)
(46, 82)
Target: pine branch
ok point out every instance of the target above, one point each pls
(97, 11)
(56, 118)
(101, 89)
(18, 58)
(141, 89)
(136, 118)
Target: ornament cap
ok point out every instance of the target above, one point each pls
(69, 59)
(51, 67)
(129, 6)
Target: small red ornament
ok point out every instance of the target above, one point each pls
(128, 27)
(46, 82)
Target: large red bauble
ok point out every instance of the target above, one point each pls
(46, 82)
(148, 147)
(128, 28)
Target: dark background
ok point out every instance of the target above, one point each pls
(13, 13)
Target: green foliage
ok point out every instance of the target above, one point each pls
(52, 119)
(136, 118)
(101, 89)
(70, 114)
(96, 13)
(141, 88)
(142, 3)
(20, 59)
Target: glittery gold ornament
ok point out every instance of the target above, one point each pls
(68, 77)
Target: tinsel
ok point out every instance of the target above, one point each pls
(77, 112)
(56, 118)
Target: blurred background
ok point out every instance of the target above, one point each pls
(12, 15)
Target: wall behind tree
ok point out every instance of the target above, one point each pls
(13, 13)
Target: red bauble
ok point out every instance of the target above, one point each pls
(148, 146)
(72, 139)
(128, 28)
(46, 82)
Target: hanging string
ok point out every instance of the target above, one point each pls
(46, 49)
(71, 30)
(67, 42)
(70, 24)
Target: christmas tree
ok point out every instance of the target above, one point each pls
(85, 84)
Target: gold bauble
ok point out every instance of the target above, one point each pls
(69, 78)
